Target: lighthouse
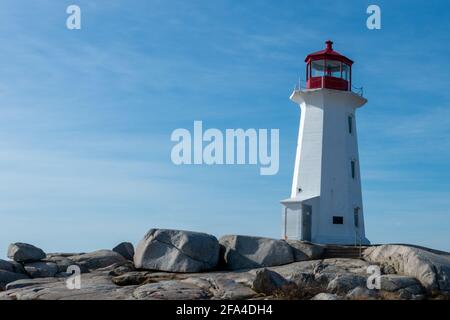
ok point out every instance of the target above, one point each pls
(325, 205)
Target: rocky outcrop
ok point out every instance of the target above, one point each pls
(361, 293)
(125, 249)
(41, 269)
(26, 282)
(24, 252)
(6, 266)
(96, 285)
(343, 283)
(431, 269)
(226, 286)
(177, 251)
(337, 276)
(245, 252)
(8, 277)
(130, 278)
(325, 296)
(175, 264)
(170, 290)
(395, 282)
(269, 282)
(406, 287)
(63, 261)
(305, 250)
(11, 266)
(97, 259)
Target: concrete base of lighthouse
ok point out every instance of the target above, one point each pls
(301, 219)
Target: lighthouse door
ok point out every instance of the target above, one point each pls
(306, 222)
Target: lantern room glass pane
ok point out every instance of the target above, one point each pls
(345, 72)
(317, 68)
(333, 68)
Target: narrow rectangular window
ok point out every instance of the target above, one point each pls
(353, 164)
(356, 215)
(338, 220)
(350, 124)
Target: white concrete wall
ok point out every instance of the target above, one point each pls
(308, 161)
(323, 163)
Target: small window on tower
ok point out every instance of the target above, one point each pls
(350, 124)
(353, 165)
(356, 215)
(338, 220)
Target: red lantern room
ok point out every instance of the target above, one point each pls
(328, 69)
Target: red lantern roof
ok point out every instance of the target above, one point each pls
(328, 54)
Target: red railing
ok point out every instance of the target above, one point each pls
(324, 82)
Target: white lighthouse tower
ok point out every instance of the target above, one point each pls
(326, 202)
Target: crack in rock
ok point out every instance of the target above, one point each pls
(181, 251)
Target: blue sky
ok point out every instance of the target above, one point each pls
(86, 116)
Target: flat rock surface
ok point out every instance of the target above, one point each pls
(97, 259)
(23, 283)
(325, 296)
(170, 290)
(94, 286)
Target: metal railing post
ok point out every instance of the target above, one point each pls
(360, 247)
